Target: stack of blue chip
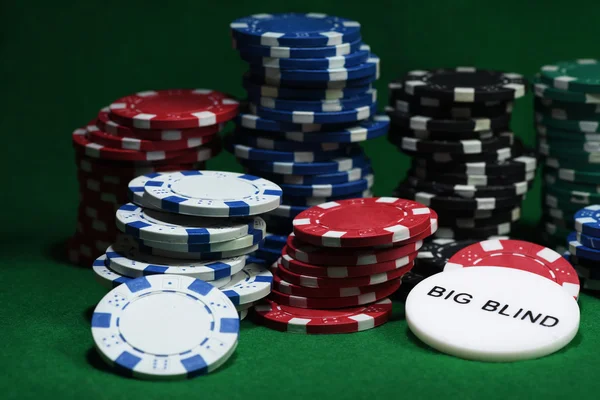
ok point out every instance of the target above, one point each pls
(584, 246)
(310, 102)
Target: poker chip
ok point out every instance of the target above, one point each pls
(300, 267)
(343, 61)
(545, 91)
(588, 241)
(330, 190)
(341, 224)
(579, 250)
(420, 122)
(200, 322)
(362, 100)
(387, 289)
(252, 283)
(334, 178)
(492, 314)
(341, 164)
(298, 52)
(345, 320)
(312, 117)
(587, 220)
(338, 257)
(173, 109)
(129, 261)
(578, 76)
(435, 254)
(314, 84)
(315, 201)
(521, 255)
(251, 139)
(294, 29)
(468, 191)
(479, 232)
(448, 202)
(257, 154)
(517, 165)
(212, 193)
(465, 85)
(187, 255)
(105, 276)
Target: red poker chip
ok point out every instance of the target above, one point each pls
(318, 282)
(113, 128)
(362, 222)
(317, 255)
(282, 286)
(347, 320)
(303, 268)
(386, 290)
(128, 143)
(173, 109)
(518, 254)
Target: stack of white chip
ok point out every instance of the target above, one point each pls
(198, 224)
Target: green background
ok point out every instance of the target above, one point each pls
(62, 61)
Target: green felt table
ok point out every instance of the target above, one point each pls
(63, 60)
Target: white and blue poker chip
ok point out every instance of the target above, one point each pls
(366, 99)
(256, 90)
(579, 250)
(323, 179)
(587, 220)
(252, 283)
(294, 29)
(356, 159)
(212, 193)
(147, 224)
(165, 327)
(128, 260)
(370, 68)
(345, 61)
(309, 117)
(253, 237)
(257, 154)
(329, 190)
(105, 276)
(298, 52)
(203, 256)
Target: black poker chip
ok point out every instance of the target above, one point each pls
(434, 254)
(481, 233)
(471, 146)
(396, 131)
(467, 191)
(474, 214)
(465, 84)
(499, 155)
(451, 220)
(421, 122)
(521, 165)
(447, 202)
(473, 180)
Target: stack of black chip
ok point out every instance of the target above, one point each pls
(466, 163)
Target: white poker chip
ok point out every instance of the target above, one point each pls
(242, 307)
(196, 255)
(492, 314)
(128, 260)
(255, 236)
(212, 193)
(251, 284)
(148, 224)
(165, 327)
(106, 276)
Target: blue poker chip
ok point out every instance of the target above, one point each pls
(579, 250)
(323, 179)
(265, 141)
(284, 76)
(314, 201)
(298, 52)
(371, 128)
(294, 29)
(315, 84)
(366, 99)
(308, 117)
(587, 220)
(355, 160)
(256, 90)
(588, 241)
(285, 211)
(328, 190)
(274, 241)
(253, 121)
(345, 61)
(256, 154)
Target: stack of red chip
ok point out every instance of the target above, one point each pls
(342, 262)
(147, 132)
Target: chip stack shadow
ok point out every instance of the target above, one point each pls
(310, 103)
(466, 163)
(567, 106)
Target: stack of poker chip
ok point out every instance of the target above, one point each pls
(466, 164)
(199, 224)
(143, 133)
(567, 105)
(584, 246)
(310, 104)
(343, 261)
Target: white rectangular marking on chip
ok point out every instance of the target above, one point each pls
(490, 245)
(366, 259)
(378, 278)
(421, 211)
(332, 238)
(301, 221)
(303, 117)
(482, 124)
(386, 200)
(464, 95)
(280, 52)
(409, 143)
(340, 74)
(471, 146)
(364, 321)
(549, 255)
(419, 123)
(424, 198)
(400, 232)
